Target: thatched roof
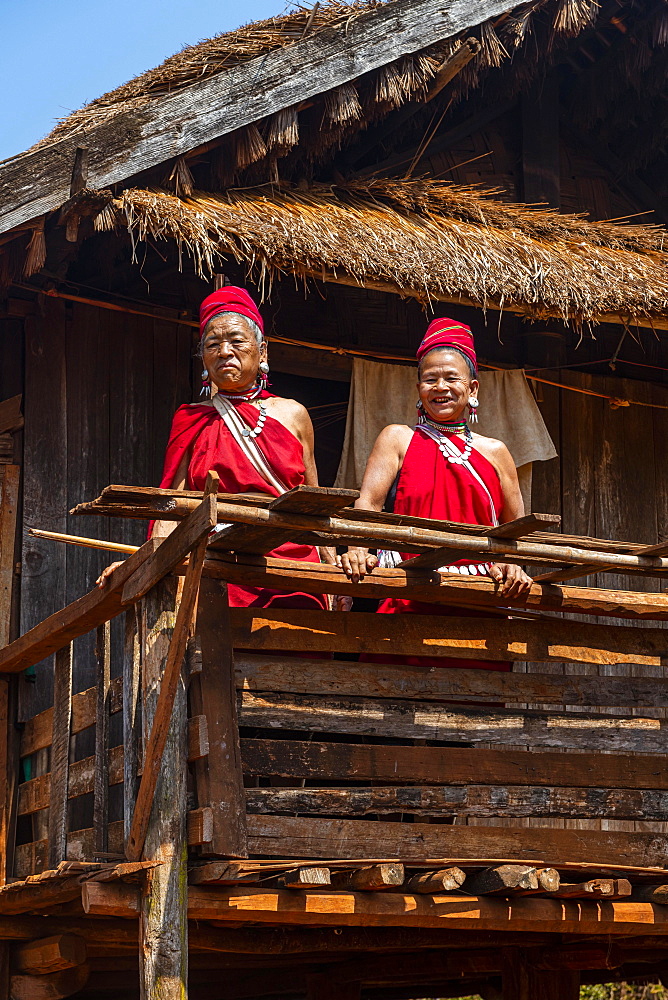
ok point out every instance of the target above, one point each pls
(424, 238)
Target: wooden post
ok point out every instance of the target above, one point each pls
(212, 693)
(163, 927)
(132, 650)
(60, 755)
(101, 789)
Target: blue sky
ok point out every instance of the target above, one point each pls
(60, 54)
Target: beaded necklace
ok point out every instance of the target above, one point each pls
(455, 427)
(246, 397)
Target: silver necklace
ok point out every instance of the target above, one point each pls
(253, 432)
(468, 448)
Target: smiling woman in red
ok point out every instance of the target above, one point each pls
(441, 469)
(255, 441)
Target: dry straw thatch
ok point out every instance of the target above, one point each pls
(421, 237)
(396, 82)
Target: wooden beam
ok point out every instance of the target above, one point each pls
(572, 573)
(370, 877)
(313, 837)
(78, 618)
(426, 635)
(36, 733)
(387, 680)
(470, 800)
(132, 141)
(50, 954)
(478, 592)
(102, 721)
(171, 675)
(598, 888)
(49, 987)
(441, 880)
(394, 909)
(420, 765)
(11, 418)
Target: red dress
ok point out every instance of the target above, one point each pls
(199, 430)
(430, 486)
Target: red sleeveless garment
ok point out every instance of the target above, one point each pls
(430, 486)
(199, 430)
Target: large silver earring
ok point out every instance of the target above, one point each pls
(206, 384)
(422, 416)
(264, 372)
(474, 403)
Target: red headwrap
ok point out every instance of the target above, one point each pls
(448, 333)
(228, 299)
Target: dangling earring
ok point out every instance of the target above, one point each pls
(206, 384)
(474, 403)
(422, 416)
(264, 372)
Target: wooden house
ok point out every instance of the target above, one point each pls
(252, 824)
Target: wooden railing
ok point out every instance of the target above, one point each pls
(322, 756)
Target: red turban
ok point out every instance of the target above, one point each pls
(228, 299)
(448, 333)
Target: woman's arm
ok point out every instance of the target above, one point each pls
(384, 462)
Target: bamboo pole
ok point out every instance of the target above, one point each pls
(89, 543)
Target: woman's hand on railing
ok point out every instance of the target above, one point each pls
(357, 562)
(106, 573)
(514, 582)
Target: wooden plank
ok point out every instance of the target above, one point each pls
(304, 676)
(50, 954)
(163, 933)
(562, 575)
(60, 755)
(39, 181)
(102, 719)
(467, 638)
(469, 800)
(89, 611)
(499, 880)
(441, 880)
(313, 837)
(434, 721)
(314, 500)
(171, 676)
(11, 418)
(200, 826)
(9, 775)
(33, 857)
(212, 693)
(477, 592)
(651, 894)
(37, 731)
(172, 550)
(34, 794)
(43, 565)
(9, 502)
(422, 765)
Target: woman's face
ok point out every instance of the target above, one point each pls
(231, 354)
(445, 385)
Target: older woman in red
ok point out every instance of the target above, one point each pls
(255, 441)
(441, 469)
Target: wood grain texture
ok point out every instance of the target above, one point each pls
(9, 501)
(37, 182)
(470, 800)
(433, 721)
(37, 731)
(468, 638)
(219, 777)
(313, 837)
(50, 954)
(102, 720)
(60, 756)
(478, 592)
(49, 987)
(163, 934)
(421, 765)
(286, 674)
(132, 720)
